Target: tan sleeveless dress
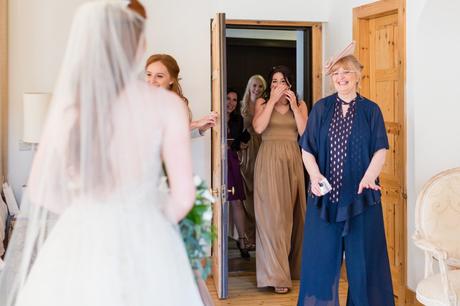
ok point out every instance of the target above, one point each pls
(248, 160)
(279, 202)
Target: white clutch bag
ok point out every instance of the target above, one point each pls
(324, 186)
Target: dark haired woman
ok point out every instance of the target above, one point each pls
(234, 178)
(279, 186)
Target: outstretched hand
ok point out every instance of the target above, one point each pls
(206, 122)
(368, 183)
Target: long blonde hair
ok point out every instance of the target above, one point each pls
(247, 93)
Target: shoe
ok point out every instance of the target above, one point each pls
(250, 246)
(281, 290)
(241, 244)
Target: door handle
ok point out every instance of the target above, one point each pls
(214, 192)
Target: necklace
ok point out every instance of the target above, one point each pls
(347, 103)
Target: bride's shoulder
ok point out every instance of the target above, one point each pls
(157, 97)
(157, 100)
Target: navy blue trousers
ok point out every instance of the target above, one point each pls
(366, 259)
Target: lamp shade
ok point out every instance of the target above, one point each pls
(35, 109)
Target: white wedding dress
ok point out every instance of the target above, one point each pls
(121, 252)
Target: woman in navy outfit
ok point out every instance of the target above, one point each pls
(345, 142)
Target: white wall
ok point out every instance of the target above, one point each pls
(433, 100)
(37, 36)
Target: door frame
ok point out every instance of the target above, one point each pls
(221, 213)
(317, 46)
(219, 155)
(3, 88)
(361, 17)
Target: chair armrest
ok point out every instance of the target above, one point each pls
(448, 287)
(431, 250)
(429, 246)
(453, 263)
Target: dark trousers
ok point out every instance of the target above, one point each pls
(366, 260)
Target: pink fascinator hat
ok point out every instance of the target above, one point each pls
(349, 50)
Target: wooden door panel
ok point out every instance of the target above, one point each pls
(391, 205)
(387, 74)
(390, 169)
(384, 76)
(384, 95)
(385, 33)
(384, 54)
(389, 219)
(379, 29)
(218, 156)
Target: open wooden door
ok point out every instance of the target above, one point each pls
(219, 155)
(380, 36)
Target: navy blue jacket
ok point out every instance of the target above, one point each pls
(368, 135)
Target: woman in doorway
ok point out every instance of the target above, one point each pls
(236, 139)
(345, 143)
(254, 89)
(162, 70)
(279, 186)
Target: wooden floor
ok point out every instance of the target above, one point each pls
(238, 264)
(243, 292)
(242, 284)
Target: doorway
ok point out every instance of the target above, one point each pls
(254, 47)
(311, 84)
(254, 51)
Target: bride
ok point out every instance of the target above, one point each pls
(99, 231)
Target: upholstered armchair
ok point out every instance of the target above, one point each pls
(437, 224)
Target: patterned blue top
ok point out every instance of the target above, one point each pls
(339, 132)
